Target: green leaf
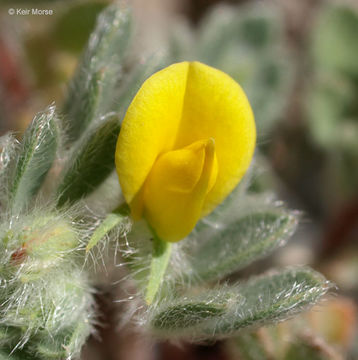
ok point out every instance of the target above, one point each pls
(90, 162)
(8, 152)
(329, 104)
(37, 153)
(262, 300)
(92, 91)
(334, 43)
(8, 146)
(158, 266)
(222, 251)
(271, 298)
(182, 315)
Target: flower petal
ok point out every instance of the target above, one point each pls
(176, 188)
(150, 126)
(216, 107)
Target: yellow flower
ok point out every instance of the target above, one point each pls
(186, 141)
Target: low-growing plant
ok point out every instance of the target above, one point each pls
(61, 207)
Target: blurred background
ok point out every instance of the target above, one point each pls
(298, 63)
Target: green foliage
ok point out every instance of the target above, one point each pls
(92, 92)
(46, 300)
(35, 158)
(90, 162)
(37, 243)
(332, 95)
(190, 312)
(331, 102)
(57, 302)
(244, 228)
(261, 300)
(273, 297)
(334, 43)
(47, 306)
(329, 108)
(239, 243)
(8, 151)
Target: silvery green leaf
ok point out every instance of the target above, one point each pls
(91, 161)
(262, 300)
(184, 315)
(8, 146)
(92, 91)
(8, 151)
(242, 229)
(35, 158)
(239, 243)
(271, 298)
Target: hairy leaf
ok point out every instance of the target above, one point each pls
(35, 158)
(239, 243)
(271, 298)
(91, 93)
(91, 162)
(262, 300)
(186, 314)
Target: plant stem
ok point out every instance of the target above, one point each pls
(160, 259)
